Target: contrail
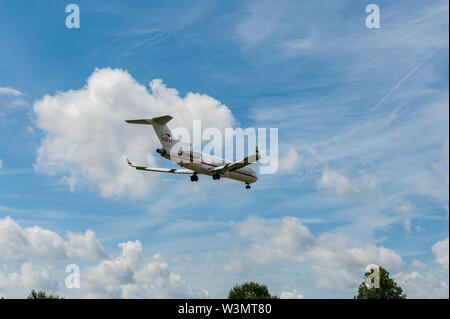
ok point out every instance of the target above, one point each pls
(406, 77)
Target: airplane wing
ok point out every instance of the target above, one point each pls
(236, 165)
(162, 170)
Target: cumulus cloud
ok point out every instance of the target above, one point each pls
(333, 180)
(416, 285)
(19, 243)
(291, 294)
(129, 275)
(345, 187)
(86, 138)
(19, 284)
(274, 239)
(337, 261)
(440, 250)
(132, 276)
(290, 161)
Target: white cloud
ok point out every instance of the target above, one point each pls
(338, 261)
(418, 264)
(300, 45)
(129, 275)
(290, 161)
(406, 210)
(273, 239)
(19, 243)
(260, 24)
(31, 276)
(416, 285)
(270, 24)
(407, 224)
(440, 250)
(291, 294)
(10, 91)
(11, 98)
(87, 139)
(369, 182)
(236, 266)
(333, 180)
(344, 187)
(442, 167)
(406, 207)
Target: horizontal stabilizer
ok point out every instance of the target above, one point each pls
(143, 121)
(162, 120)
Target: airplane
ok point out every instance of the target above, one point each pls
(195, 163)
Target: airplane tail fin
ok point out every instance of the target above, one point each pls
(161, 130)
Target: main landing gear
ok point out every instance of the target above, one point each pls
(216, 176)
(194, 177)
(247, 186)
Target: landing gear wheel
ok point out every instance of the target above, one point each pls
(216, 176)
(194, 178)
(247, 186)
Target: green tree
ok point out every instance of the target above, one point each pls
(42, 295)
(250, 290)
(389, 289)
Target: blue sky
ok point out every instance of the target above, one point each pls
(362, 116)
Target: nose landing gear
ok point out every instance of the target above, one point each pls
(247, 186)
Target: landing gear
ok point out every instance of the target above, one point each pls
(216, 176)
(247, 186)
(161, 151)
(194, 178)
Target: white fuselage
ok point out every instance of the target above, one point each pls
(205, 163)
